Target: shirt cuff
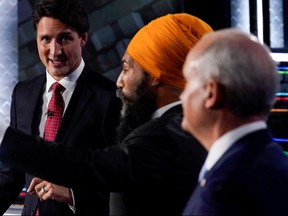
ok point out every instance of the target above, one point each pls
(72, 207)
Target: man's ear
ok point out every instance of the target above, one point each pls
(84, 38)
(155, 81)
(213, 94)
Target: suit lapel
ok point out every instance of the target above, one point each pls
(249, 145)
(75, 107)
(34, 109)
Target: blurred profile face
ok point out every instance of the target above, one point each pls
(59, 47)
(197, 95)
(189, 98)
(193, 99)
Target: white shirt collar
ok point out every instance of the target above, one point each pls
(69, 81)
(159, 112)
(222, 144)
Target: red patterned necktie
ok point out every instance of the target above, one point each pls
(54, 113)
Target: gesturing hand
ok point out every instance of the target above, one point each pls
(46, 190)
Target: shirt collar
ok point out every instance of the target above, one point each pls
(222, 144)
(68, 81)
(159, 112)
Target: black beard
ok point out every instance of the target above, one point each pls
(135, 113)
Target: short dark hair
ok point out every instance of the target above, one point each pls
(70, 12)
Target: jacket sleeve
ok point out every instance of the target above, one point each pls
(11, 184)
(11, 181)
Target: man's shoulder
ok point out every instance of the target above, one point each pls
(33, 83)
(162, 124)
(36, 79)
(91, 77)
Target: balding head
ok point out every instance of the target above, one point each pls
(242, 65)
(231, 80)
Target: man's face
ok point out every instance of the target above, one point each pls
(59, 46)
(138, 101)
(129, 80)
(192, 99)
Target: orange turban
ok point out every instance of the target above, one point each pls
(161, 46)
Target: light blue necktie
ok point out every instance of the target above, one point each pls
(201, 179)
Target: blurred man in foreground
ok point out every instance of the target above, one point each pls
(231, 84)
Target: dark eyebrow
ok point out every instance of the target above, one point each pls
(65, 34)
(123, 61)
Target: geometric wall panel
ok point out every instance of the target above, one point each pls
(9, 54)
(111, 23)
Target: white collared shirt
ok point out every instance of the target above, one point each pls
(69, 82)
(222, 144)
(159, 112)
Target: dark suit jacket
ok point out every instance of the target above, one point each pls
(249, 179)
(155, 168)
(92, 115)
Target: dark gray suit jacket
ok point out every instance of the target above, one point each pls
(92, 115)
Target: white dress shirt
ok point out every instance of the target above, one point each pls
(222, 144)
(159, 112)
(69, 82)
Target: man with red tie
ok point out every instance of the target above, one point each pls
(87, 117)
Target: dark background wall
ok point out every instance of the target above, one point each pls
(215, 12)
(113, 23)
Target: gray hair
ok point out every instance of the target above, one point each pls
(245, 70)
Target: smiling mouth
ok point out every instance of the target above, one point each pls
(57, 60)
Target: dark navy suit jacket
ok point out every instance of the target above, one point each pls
(92, 115)
(249, 179)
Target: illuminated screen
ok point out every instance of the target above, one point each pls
(278, 119)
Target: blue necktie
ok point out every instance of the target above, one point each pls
(201, 178)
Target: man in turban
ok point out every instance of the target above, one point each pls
(155, 167)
